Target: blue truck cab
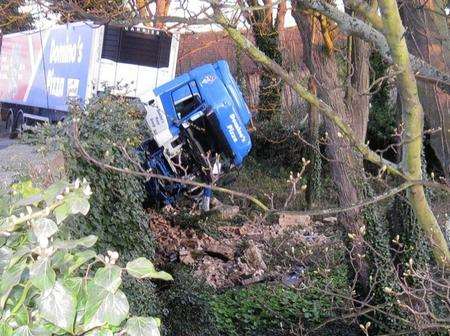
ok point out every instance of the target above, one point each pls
(198, 123)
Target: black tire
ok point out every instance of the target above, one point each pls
(20, 120)
(10, 124)
(14, 124)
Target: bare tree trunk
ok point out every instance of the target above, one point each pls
(428, 38)
(412, 116)
(266, 35)
(357, 97)
(346, 167)
(144, 11)
(309, 38)
(162, 9)
(372, 33)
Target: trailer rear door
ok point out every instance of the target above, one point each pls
(136, 60)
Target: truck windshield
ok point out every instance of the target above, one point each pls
(186, 99)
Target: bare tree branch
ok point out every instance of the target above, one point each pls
(303, 92)
(354, 26)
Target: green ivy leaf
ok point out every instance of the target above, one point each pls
(42, 275)
(95, 295)
(23, 331)
(25, 189)
(142, 326)
(61, 212)
(5, 257)
(109, 277)
(49, 195)
(77, 203)
(100, 332)
(80, 259)
(6, 224)
(103, 307)
(45, 329)
(86, 242)
(114, 308)
(21, 252)
(32, 200)
(10, 278)
(74, 284)
(5, 330)
(58, 306)
(44, 228)
(62, 260)
(143, 268)
(22, 316)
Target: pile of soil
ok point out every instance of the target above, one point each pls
(236, 255)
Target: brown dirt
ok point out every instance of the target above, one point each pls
(237, 255)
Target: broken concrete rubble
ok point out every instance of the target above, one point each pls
(253, 257)
(226, 212)
(237, 256)
(330, 220)
(290, 219)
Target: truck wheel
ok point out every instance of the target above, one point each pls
(20, 120)
(10, 124)
(14, 123)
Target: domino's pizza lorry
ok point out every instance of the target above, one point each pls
(42, 70)
(198, 121)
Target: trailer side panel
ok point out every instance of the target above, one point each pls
(47, 68)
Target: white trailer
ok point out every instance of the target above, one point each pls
(42, 70)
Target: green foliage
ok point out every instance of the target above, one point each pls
(53, 286)
(266, 309)
(117, 215)
(272, 180)
(404, 223)
(188, 311)
(275, 142)
(382, 115)
(270, 87)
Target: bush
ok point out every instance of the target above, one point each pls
(54, 286)
(273, 309)
(188, 311)
(117, 215)
(382, 115)
(276, 144)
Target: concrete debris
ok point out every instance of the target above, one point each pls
(226, 212)
(218, 249)
(237, 257)
(253, 257)
(186, 257)
(289, 219)
(253, 280)
(330, 220)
